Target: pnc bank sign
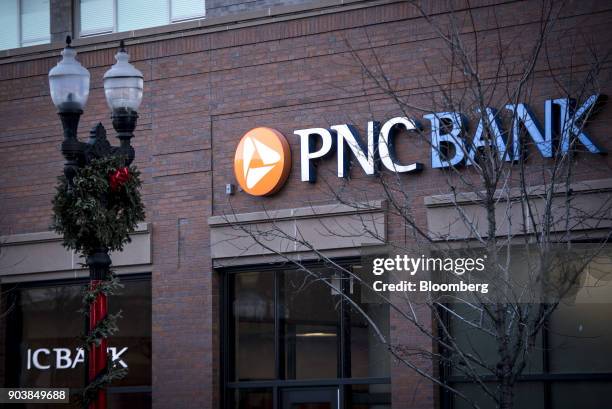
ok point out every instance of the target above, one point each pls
(263, 158)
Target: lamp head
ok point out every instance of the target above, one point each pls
(69, 82)
(123, 83)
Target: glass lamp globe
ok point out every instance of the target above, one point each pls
(69, 82)
(123, 84)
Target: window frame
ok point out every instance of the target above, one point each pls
(229, 386)
(115, 27)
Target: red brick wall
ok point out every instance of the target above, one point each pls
(203, 92)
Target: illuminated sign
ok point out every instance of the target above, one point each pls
(262, 159)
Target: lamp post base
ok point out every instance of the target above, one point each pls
(99, 270)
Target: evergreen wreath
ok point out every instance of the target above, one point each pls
(95, 213)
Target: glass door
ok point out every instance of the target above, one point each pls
(310, 398)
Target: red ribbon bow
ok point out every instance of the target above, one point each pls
(118, 178)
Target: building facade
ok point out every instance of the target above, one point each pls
(212, 319)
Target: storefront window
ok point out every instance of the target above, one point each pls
(260, 398)
(483, 343)
(253, 309)
(528, 395)
(580, 394)
(569, 366)
(579, 343)
(368, 356)
(568, 362)
(311, 327)
(294, 338)
(42, 346)
(368, 396)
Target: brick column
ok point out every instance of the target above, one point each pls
(61, 20)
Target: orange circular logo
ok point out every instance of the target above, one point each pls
(262, 161)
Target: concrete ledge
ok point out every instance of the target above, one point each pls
(591, 186)
(40, 255)
(286, 258)
(300, 212)
(460, 217)
(42, 236)
(259, 237)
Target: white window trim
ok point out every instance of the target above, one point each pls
(114, 28)
(34, 41)
(19, 29)
(189, 18)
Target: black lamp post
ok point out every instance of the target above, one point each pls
(123, 86)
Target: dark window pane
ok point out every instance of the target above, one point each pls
(368, 396)
(578, 340)
(311, 326)
(309, 398)
(309, 309)
(43, 330)
(42, 344)
(132, 344)
(252, 399)
(253, 309)
(527, 395)
(473, 340)
(368, 354)
(583, 395)
(125, 399)
(308, 405)
(470, 340)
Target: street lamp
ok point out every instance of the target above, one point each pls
(69, 82)
(69, 87)
(123, 85)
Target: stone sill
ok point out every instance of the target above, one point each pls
(50, 236)
(297, 213)
(584, 187)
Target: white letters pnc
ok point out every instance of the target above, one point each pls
(317, 143)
